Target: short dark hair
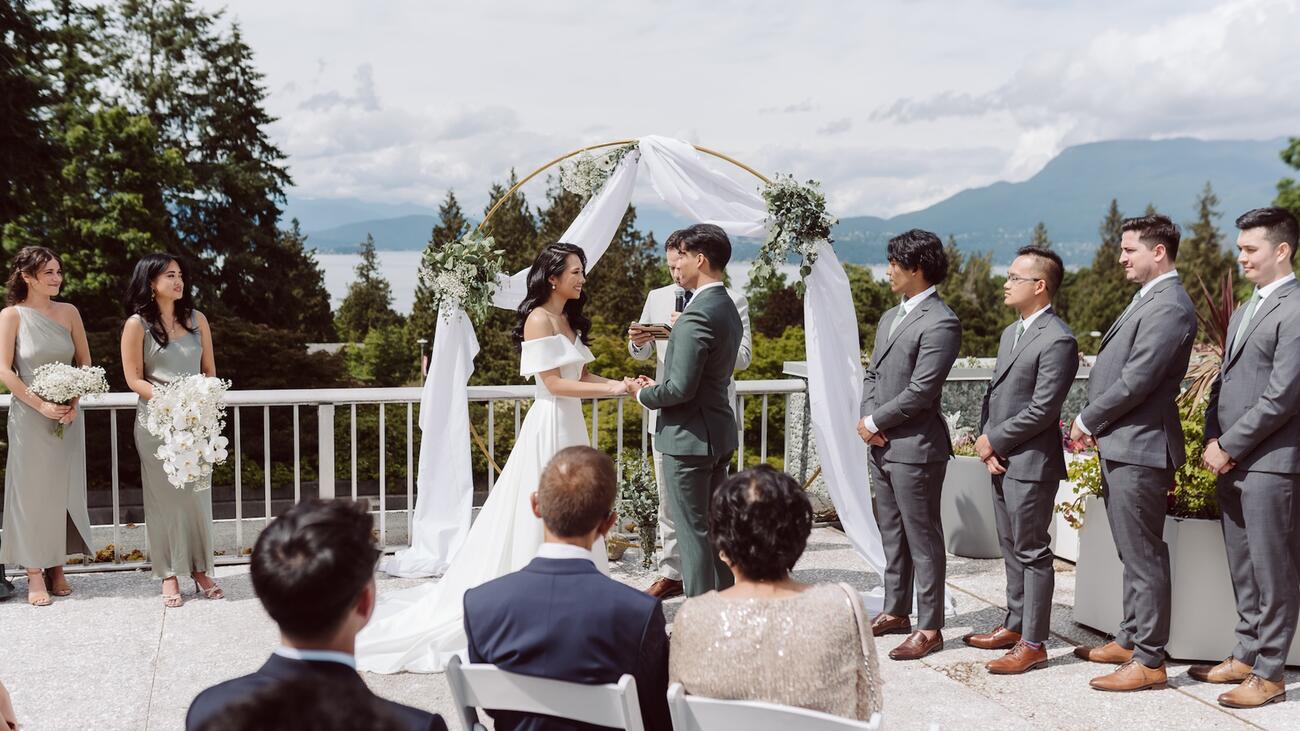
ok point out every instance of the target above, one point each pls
(319, 701)
(576, 491)
(919, 249)
(706, 239)
(1049, 263)
(674, 240)
(760, 519)
(1279, 224)
(1155, 229)
(310, 565)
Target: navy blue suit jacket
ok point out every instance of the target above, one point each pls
(210, 702)
(563, 619)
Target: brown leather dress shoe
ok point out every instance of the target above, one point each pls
(1132, 676)
(1020, 659)
(1110, 653)
(1231, 670)
(1254, 692)
(665, 588)
(999, 639)
(916, 646)
(883, 624)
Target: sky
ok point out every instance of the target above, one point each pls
(892, 105)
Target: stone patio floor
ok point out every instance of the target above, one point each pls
(111, 657)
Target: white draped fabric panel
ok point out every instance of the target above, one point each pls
(686, 183)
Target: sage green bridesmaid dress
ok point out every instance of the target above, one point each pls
(178, 521)
(45, 476)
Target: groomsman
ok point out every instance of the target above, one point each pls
(1020, 442)
(663, 305)
(1252, 428)
(916, 344)
(1133, 418)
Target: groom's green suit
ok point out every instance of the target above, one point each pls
(696, 429)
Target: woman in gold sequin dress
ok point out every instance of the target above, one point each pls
(771, 638)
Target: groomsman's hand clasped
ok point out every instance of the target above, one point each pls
(1216, 460)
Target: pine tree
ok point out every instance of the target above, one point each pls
(1288, 190)
(1201, 256)
(975, 296)
(26, 157)
(1102, 292)
(451, 226)
(369, 302)
(1039, 236)
(515, 229)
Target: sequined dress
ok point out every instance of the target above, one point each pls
(813, 650)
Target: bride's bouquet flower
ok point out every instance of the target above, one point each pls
(188, 416)
(797, 222)
(62, 383)
(463, 274)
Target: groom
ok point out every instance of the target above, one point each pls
(696, 428)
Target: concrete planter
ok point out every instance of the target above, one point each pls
(1204, 615)
(966, 508)
(1065, 538)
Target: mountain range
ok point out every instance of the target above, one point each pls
(1070, 195)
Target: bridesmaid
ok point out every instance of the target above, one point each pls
(164, 339)
(45, 477)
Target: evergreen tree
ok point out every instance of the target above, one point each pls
(975, 296)
(871, 298)
(1102, 292)
(774, 306)
(1288, 190)
(515, 229)
(1201, 256)
(616, 288)
(290, 272)
(451, 226)
(26, 157)
(1039, 236)
(369, 302)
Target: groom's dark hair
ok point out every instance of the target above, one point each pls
(706, 239)
(310, 565)
(576, 491)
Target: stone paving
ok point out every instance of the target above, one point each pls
(111, 657)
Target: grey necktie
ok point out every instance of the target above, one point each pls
(1020, 330)
(1253, 305)
(898, 320)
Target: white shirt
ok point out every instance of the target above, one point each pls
(564, 550)
(294, 653)
(908, 305)
(1029, 321)
(695, 293)
(1272, 287)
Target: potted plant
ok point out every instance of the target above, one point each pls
(638, 504)
(966, 506)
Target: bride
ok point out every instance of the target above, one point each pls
(419, 629)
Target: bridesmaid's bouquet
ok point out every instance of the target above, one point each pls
(188, 416)
(62, 383)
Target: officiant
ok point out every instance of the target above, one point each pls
(662, 306)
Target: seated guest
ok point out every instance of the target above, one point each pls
(771, 638)
(314, 570)
(559, 617)
(319, 703)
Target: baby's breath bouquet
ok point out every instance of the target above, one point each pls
(638, 501)
(188, 416)
(463, 274)
(62, 383)
(797, 222)
(585, 174)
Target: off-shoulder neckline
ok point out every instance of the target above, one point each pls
(576, 338)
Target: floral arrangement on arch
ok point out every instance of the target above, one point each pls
(797, 223)
(585, 173)
(463, 274)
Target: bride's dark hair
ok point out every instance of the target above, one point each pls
(551, 262)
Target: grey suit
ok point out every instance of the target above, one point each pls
(901, 394)
(1132, 414)
(1021, 417)
(1254, 412)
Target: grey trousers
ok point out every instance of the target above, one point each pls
(1261, 530)
(1136, 503)
(670, 559)
(1023, 511)
(690, 482)
(907, 505)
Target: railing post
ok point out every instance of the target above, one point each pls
(325, 450)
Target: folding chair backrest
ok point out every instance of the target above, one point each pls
(697, 713)
(491, 688)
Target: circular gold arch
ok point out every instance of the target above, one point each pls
(615, 143)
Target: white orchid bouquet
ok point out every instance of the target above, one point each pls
(585, 174)
(797, 223)
(188, 416)
(63, 383)
(463, 274)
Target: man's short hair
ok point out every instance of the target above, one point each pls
(1155, 229)
(919, 249)
(310, 565)
(576, 491)
(1049, 266)
(674, 240)
(1279, 225)
(706, 239)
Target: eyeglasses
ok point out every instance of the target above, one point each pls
(1017, 279)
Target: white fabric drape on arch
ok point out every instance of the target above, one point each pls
(681, 177)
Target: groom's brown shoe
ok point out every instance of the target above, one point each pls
(884, 624)
(1110, 653)
(1254, 692)
(917, 646)
(999, 639)
(1231, 670)
(1131, 676)
(665, 588)
(1022, 658)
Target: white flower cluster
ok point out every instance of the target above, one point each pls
(585, 174)
(463, 274)
(188, 416)
(60, 383)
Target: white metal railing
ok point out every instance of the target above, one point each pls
(327, 402)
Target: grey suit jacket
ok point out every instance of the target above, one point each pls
(904, 381)
(1022, 406)
(1254, 408)
(1133, 385)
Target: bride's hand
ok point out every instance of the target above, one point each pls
(618, 388)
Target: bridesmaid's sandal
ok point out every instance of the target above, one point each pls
(172, 601)
(212, 592)
(59, 586)
(37, 598)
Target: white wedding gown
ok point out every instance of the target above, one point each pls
(419, 629)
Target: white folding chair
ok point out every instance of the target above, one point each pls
(488, 687)
(697, 713)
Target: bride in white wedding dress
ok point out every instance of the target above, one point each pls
(419, 629)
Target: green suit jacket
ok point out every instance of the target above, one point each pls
(695, 415)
